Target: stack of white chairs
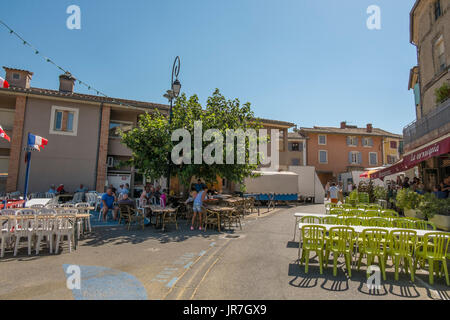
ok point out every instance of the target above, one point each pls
(44, 227)
(78, 197)
(5, 235)
(64, 228)
(83, 208)
(23, 228)
(37, 206)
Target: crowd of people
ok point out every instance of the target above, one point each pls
(441, 190)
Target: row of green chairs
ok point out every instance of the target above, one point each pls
(366, 212)
(400, 245)
(402, 223)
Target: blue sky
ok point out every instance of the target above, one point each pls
(309, 62)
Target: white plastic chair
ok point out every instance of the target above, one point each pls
(23, 228)
(46, 212)
(37, 206)
(5, 235)
(67, 205)
(44, 227)
(7, 212)
(64, 228)
(83, 208)
(26, 212)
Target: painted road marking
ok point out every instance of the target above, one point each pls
(212, 244)
(188, 265)
(201, 253)
(172, 282)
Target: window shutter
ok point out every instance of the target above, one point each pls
(290, 146)
(300, 146)
(359, 157)
(356, 141)
(371, 142)
(348, 141)
(349, 157)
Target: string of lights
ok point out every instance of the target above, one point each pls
(49, 60)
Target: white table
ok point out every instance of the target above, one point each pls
(299, 215)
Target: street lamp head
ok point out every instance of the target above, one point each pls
(176, 87)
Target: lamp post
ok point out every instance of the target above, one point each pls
(172, 94)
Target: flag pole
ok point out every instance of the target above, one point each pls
(27, 174)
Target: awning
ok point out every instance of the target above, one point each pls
(367, 174)
(414, 158)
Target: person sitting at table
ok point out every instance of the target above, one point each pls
(198, 207)
(60, 189)
(157, 194)
(81, 189)
(199, 185)
(145, 196)
(108, 200)
(163, 198)
(127, 201)
(52, 189)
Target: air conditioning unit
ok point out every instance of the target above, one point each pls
(110, 162)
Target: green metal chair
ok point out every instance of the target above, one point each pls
(331, 220)
(425, 225)
(354, 221)
(434, 248)
(401, 247)
(377, 222)
(372, 213)
(389, 213)
(336, 211)
(311, 219)
(341, 240)
(313, 240)
(403, 224)
(374, 245)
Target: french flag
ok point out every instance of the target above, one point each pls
(4, 135)
(36, 141)
(4, 83)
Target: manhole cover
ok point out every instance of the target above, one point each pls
(229, 236)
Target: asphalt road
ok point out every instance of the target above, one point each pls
(259, 262)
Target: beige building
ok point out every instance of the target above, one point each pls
(429, 134)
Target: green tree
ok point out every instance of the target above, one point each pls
(151, 143)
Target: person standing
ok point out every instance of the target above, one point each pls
(327, 190)
(333, 193)
(341, 192)
(198, 207)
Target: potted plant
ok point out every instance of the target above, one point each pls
(409, 201)
(436, 210)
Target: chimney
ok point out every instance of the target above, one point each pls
(369, 128)
(343, 124)
(66, 83)
(18, 78)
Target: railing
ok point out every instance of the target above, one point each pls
(435, 119)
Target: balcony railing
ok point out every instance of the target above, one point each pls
(435, 119)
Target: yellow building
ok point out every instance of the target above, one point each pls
(392, 149)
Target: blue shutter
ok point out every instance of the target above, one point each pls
(359, 157)
(349, 157)
(356, 141)
(290, 146)
(348, 141)
(371, 142)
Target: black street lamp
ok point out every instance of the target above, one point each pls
(172, 94)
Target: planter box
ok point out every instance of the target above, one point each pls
(413, 213)
(442, 222)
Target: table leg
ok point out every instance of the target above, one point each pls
(218, 220)
(295, 227)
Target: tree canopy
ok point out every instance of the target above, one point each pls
(151, 143)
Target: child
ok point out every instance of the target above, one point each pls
(163, 199)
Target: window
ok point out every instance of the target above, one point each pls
(354, 157)
(322, 139)
(437, 9)
(367, 142)
(440, 54)
(393, 144)
(64, 121)
(116, 126)
(352, 141)
(373, 158)
(295, 146)
(323, 156)
(16, 76)
(295, 162)
(391, 159)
